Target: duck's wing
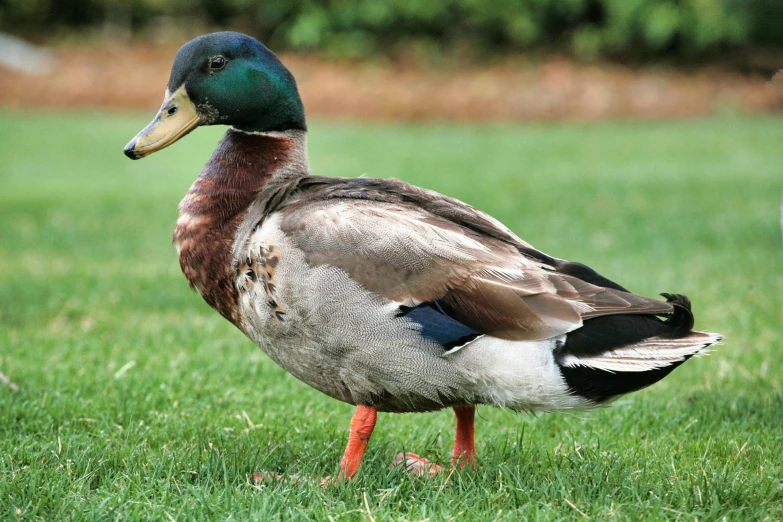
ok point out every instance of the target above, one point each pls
(414, 246)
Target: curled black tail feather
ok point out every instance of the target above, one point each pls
(681, 321)
(608, 332)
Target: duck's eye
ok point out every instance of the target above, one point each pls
(217, 62)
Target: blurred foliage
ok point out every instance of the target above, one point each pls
(356, 28)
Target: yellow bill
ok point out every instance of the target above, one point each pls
(176, 117)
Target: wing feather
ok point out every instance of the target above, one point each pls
(417, 246)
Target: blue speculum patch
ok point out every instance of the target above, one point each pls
(438, 325)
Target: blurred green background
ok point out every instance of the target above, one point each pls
(628, 29)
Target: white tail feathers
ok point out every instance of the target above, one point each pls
(649, 354)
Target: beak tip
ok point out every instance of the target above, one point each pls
(130, 150)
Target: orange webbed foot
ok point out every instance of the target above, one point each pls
(415, 464)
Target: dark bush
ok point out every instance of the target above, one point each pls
(586, 28)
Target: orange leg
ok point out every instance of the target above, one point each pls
(464, 446)
(362, 424)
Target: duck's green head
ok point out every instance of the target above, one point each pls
(222, 78)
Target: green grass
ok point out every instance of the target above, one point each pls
(139, 402)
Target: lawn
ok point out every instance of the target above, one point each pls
(137, 401)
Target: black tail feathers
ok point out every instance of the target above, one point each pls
(681, 321)
(597, 364)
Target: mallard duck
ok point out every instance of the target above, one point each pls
(380, 294)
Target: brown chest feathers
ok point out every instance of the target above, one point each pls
(216, 204)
